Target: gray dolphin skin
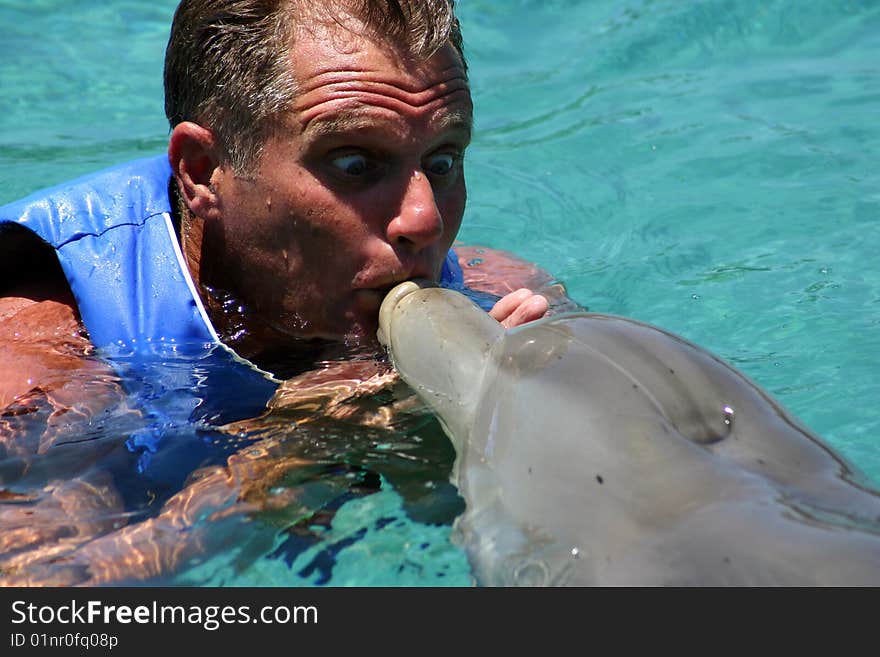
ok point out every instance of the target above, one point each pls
(598, 450)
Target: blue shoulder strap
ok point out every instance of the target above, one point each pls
(451, 275)
(115, 241)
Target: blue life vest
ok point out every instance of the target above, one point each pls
(116, 243)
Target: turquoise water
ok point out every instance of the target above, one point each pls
(707, 166)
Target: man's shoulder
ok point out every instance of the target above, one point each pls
(41, 337)
(497, 272)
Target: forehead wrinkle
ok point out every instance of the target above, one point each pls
(453, 76)
(347, 112)
(380, 93)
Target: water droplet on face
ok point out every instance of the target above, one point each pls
(474, 262)
(575, 553)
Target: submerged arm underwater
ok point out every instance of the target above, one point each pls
(598, 450)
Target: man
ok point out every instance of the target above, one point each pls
(317, 159)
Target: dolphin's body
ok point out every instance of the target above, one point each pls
(598, 450)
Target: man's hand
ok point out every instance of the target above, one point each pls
(519, 307)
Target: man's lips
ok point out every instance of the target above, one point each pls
(370, 297)
(384, 285)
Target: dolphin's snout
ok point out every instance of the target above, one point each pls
(389, 303)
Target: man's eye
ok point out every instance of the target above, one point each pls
(353, 164)
(440, 164)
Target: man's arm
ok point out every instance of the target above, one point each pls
(38, 339)
(43, 343)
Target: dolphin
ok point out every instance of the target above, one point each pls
(598, 450)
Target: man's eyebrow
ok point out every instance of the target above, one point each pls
(352, 120)
(346, 120)
(457, 121)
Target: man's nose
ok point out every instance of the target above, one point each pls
(418, 223)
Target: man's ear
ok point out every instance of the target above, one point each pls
(192, 152)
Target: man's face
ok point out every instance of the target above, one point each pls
(361, 187)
